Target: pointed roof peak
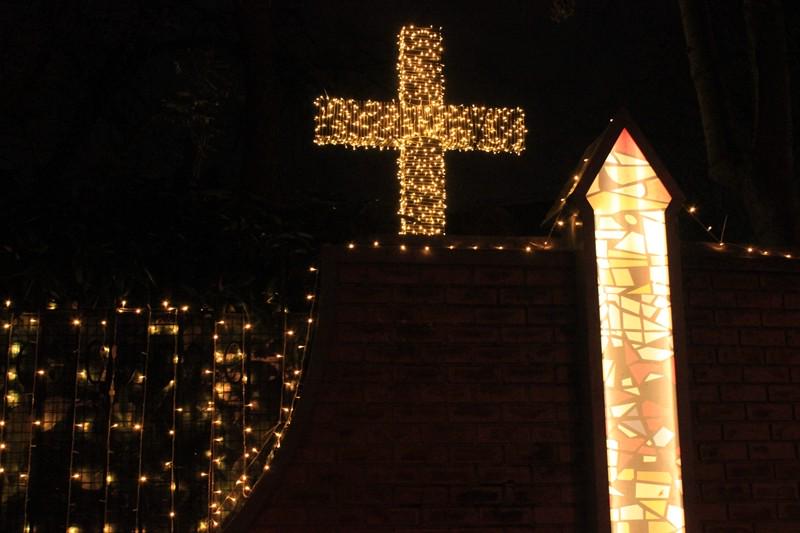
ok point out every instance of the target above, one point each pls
(621, 134)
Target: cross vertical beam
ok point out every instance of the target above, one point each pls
(420, 167)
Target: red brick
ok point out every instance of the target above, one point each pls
(716, 336)
(442, 314)
(788, 526)
(530, 412)
(701, 354)
(759, 300)
(472, 334)
(472, 295)
(704, 432)
(500, 315)
(717, 374)
(551, 393)
(471, 411)
(746, 431)
(532, 454)
(762, 337)
(360, 372)
(424, 452)
(563, 295)
(782, 356)
(525, 295)
(391, 352)
(734, 280)
(723, 451)
(420, 412)
(552, 514)
(743, 393)
(345, 352)
(717, 412)
(700, 316)
(769, 411)
(499, 276)
(503, 432)
(550, 315)
(504, 474)
(791, 300)
(781, 318)
(788, 470)
(749, 470)
(339, 392)
(527, 334)
(725, 492)
(420, 373)
(550, 277)
(369, 294)
(749, 355)
(478, 495)
(786, 430)
(793, 337)
(420, 495)
(418, 295)
(693, 279)
(709, 298)
(771, 450)
(766, 374)
(392, 274)
(446, 432)
(499, 392)
(473, 373)
(790, 511)
(781, 281)
(476, 453)
(709, 471)
(727, 527)
(528, 373)
(447, 516)
(738, 317)
(706, 393)
(710, 511)
(365, 333)
(752, 511)
(775, 490)
(446, 275)
(784, 393)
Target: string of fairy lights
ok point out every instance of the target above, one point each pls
(125, 420)
(74, 477)
(172, 427)
(422, 127)
(33, 422)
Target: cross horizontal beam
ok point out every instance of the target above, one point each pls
(387, 125)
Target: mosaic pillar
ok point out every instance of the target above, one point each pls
(638, 364)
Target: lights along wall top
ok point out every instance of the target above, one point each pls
(422, 127)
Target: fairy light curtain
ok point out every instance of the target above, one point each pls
(155, 419)
(422, 127)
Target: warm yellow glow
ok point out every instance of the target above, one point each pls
(422, 127)
(644, 469)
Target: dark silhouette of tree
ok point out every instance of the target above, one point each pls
(740, 67)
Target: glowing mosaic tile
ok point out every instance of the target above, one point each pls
(644, 472)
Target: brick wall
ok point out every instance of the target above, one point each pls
(448, 396)
(447, 399)
(743, 322)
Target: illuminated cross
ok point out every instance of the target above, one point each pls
(422, 127)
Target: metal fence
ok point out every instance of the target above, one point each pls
(141, 419)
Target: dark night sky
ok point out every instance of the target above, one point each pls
(569, 76)
(84, 92)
